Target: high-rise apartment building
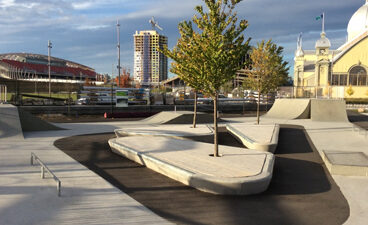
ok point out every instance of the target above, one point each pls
(150, 65)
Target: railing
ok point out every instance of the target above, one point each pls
(360, 130)
(43, 168)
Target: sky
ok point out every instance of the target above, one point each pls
(84, 31)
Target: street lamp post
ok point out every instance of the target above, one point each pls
(49, 65)
(118, 46)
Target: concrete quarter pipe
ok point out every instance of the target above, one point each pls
(314, 109)
(290, 109)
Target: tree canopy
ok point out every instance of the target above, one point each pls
(267, 69)
(208, 54)
(209, 50)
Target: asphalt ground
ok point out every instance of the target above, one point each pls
(301, 191)
(358, 119)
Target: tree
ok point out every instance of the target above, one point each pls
(87, 82)
(185, 55)
(350, 91)
(207, 56)
(227, 87)
(267, 71)
(125, 80)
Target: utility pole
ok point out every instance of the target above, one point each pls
(118, 33)
(49, 65)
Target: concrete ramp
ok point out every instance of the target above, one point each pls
(30, 122)
(10, 126)
(290, 109)
(328, 110)
(178, 117)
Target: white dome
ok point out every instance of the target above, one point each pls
(358, 22)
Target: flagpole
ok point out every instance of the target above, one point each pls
(323, 22)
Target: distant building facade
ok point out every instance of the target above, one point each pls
(323, 72)
(150, 65)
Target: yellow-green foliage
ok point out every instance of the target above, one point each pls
(208, 54)
(268, 69)
(350, 91)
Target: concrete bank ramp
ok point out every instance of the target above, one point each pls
(178, 117)
(30, 122)
(290, 109)
(10, 126)
(328, 110)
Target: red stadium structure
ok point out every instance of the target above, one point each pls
(26, 66)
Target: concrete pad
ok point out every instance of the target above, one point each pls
(290, 109)
(10, 126)
(86, 198)
(238, 172)
(346, 163)
(328, 110)
(260, 137)
(174, 131)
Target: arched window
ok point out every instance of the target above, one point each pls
(358, 76)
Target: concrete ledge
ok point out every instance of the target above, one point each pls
(259, 137)
(177, 131)
(189, 163)
(346, 163)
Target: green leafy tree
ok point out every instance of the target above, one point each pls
(267, 70)
(208, 55)
(227, 87)
(184, 54)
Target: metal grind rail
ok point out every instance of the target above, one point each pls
(43, 168)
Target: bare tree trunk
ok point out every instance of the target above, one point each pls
(258, 102)
(215, 126)
(195, 110)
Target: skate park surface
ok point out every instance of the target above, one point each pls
(327, 137)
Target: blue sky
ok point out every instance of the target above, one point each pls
(84, 31)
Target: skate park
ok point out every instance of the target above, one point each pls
(167, 140)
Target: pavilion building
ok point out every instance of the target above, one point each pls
(323, 72)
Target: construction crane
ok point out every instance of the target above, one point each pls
(154, 23)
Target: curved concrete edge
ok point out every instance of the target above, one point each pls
(215, 185)
(163, 133)
(122, 133)
(252, 144)
(281, 109)
(236, 186)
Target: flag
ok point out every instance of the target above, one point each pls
(319, 17)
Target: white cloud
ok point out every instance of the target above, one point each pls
(82, 5)
(26, 25)
(6, 3)
(90, 27)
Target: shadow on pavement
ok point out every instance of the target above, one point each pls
(301, 191)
